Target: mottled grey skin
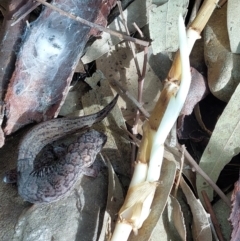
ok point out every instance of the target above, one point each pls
(55, 181)
(59, 180)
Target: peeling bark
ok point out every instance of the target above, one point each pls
(45, 65)
(235, 214)
(10, 38)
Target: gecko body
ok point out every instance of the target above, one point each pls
(44, 185)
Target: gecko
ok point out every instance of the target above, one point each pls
(45, 185)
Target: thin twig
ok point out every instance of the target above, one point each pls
(127, 94)
(195, 9)
(138, 29)
(205, 176)
(180, 171)
(136, 119)
(213, 216)
(130, 43)
(198, 116)
(221, 3)
(135, 140)
(141, 78)
(18, 16)
(93, 25)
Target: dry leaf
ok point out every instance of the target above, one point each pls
(114, 202)
(136, 12)
(164, 20)
(198, 90)
(119, 65)
(223, 145)
(178, 218)
(118, 146)
(222, 212)
(233, 25)
(187, 126)
(165, 229)
(201, 226)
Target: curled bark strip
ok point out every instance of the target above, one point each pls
(46, 62)
(10, 38)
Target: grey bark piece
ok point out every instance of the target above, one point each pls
(223, 66)
(233, 25)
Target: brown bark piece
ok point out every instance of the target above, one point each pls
(235, 212)
(10, 38)
(52, 48)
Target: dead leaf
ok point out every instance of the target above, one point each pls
(136, 12)
(198, 90)
(187, 126)
(178, 218)
(119, 65)
(223, 145)
(201, 226)
(114, 201)
(72, 105)
(117, 145)
(165, 229)
(233, 24)
(163, 25)
(222, 210)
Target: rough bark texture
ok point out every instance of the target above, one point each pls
(10, 38)
(53, 46)
(235, 215)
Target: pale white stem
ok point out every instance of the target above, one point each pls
(140, 173)
(175, 104)
(121, 232)
(155, 163)
(192, 36)
(137, 206)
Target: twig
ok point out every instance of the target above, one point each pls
(135, 140)
(138, 29)
(135, 124)
(195, 8)
(18, 16)
(198, 116)
(180, 171)
(135, 102)
(221, 3)
(130, 43)
(205, 176)
(93, 25)
(213, 216)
